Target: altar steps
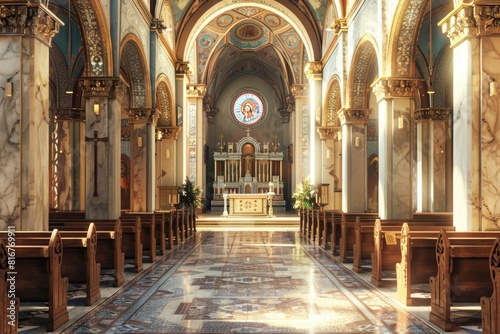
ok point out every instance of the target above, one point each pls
(207, 221)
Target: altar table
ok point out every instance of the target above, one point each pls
(248, 204)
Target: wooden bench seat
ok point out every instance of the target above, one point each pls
(490, 305)
(109, 243)
(79, 263)
(39, 279)
(386, 254)
(463, 273)
(417, 247)
(348, 231)
(148, 230)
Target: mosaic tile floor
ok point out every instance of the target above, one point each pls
(247, 282)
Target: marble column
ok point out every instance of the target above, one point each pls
(433, 156)
(330, 162)
(476, 195)
(24, 110)
(396, 162)
(182, 76)
(354, 163)
(314, 73)
(142, 147)
(102, 147)
(300, 119)
(196, 138)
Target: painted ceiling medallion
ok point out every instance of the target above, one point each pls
(249, 32)
(248, 109)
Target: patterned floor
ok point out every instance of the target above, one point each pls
(248, 282)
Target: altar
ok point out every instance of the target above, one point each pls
(247, 171)
(248, 204)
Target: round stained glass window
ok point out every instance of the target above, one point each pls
(248, 108)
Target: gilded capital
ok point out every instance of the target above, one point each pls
(99, 87)
(196, 90)
(141, 116)
(313, 70)
(300, 90)
(183, 67)
(33, 19)
(328, 132)
(353, 116)
(459, 24)
(432, 114)
(385, 88)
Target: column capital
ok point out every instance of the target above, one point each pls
(30, 18)
(314, 70)
(99, 87)
(353, 116)
(182, 68)
(300, 90)
(432, 114)
(170, 132)
(68, 114)
(142, 116)
(475, 19)
(196, 90)
(386, 88)
(339, 24)
(328, 132)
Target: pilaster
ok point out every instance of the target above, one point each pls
(182, 74)
(314, 73)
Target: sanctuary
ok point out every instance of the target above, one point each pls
(248, 167)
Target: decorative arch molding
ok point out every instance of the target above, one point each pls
(364, 57)
(333, 102)
(59, 75)
(96, 38)
(164, 103)
(210, 9)
(134, 61)
(402, 39)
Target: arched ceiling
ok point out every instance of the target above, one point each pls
(266, 40)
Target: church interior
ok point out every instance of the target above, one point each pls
(236, 166)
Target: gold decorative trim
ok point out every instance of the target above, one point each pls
(354, 116)
(385, 88)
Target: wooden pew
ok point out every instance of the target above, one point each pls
(433, 216)
(148, 230)
(463, 272)
(490, 306)
(386, 254)
(38, 278)
(9, 311)
(109, 243)
(417, 246)
(348, 229)
(331, 233)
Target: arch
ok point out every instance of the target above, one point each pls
(96, 37)
(364, 58)
(190, 28)
(134, 62)
(164, 102)
(403, 36)
(333, 102)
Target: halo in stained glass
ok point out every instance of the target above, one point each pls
(248, 108)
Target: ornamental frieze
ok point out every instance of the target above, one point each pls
(354, 116)
(385, 88)
(35, 20)
(432, 114)
(99, 87)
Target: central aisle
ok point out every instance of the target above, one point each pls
(248, 282)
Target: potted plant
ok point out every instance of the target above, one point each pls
(304, 195)
(190, 195)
